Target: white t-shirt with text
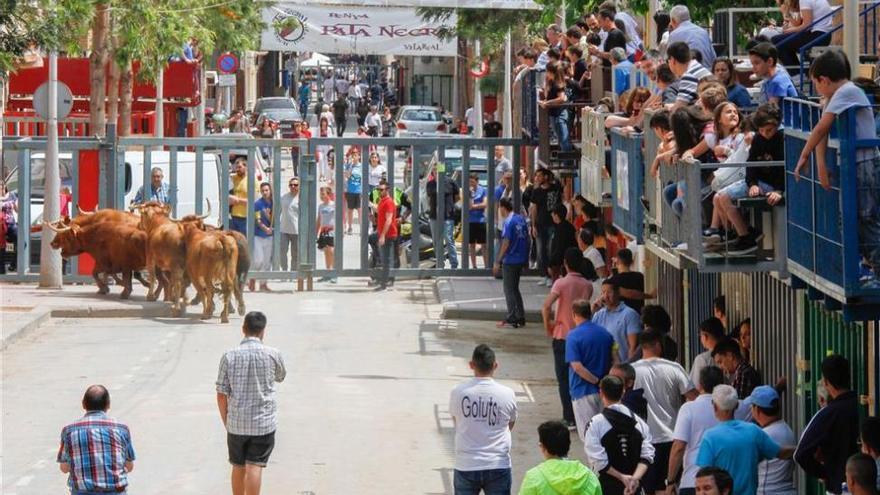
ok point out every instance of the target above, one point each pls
(483, 410)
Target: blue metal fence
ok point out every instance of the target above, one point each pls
(628, 182)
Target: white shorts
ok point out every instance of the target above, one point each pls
(584, 409)
(262, 259)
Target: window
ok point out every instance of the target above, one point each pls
(421, 115)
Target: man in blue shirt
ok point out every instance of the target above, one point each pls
(589, 353)
(477, 220)
(691, 34)
(262, 253)
(159, 190)
(777, 83)
(736, 446)
(512, 257)
(621, 321)
(622, 70)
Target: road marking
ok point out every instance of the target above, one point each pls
(24, 480)
(528, 391)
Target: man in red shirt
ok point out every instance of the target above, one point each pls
(386, 226)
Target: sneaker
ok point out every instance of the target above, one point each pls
(506, 324)
(548, 282)
(521, 323)
(756, 235)
(380, 288)
(681, 247)
(743, 246)
(571, 425)
(712, 236)
(333, 280)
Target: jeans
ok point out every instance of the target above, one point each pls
(670, 194)
(510, 275)
(490, 481)
(562, 379)
(560, 127)
(448, 236)
(788, 53)
(340, 126)
(868, 175)
(291, 242)
(542, 246)
(238, 224)
(386, 251)
(77, 492)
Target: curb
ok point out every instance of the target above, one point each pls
(39, 317)
(451, 311)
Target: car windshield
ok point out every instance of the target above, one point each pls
(423, 115)
(38, 176)
(281, 103)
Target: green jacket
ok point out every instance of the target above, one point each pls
(560, 477)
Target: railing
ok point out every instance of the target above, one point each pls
(725, 29)
(595, 180)
(628, 182)
(772, 258)
(825, 244)
(530, 85)
(549, 155)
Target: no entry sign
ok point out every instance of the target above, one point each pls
(227, 63)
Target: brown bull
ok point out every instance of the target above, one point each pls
(210, 258)
(242, 265)
(116, 248)
(166, 251)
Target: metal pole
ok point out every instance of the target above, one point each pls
(160, 115)
(507, 119)
(200, 109)
(851, 34)
(50, 259)
(478, 98)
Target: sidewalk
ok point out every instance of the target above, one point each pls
(24, 307)
(476, 298)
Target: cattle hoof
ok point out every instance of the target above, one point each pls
(241, 309)
(152, 297)
(205, 317)
(103, 290)
(224, 319)
(125, 294)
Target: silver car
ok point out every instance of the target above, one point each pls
(413, 120)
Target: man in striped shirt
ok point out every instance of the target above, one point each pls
(689, 71)
(96, 450)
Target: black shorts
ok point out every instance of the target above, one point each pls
(325, 240)
(656, 474)
(352, 200)
(250, 449)
(477, 233)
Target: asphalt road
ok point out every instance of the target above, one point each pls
(363, 409)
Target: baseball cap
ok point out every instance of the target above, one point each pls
(762, 396)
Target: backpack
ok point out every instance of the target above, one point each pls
(623, 444)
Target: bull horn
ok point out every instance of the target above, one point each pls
(84, 212)
(206, 215)
(56, 229)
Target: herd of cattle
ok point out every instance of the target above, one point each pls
(175, 253)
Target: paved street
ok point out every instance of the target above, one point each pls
(363, 410)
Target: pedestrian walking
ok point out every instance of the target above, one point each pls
(831, 435)
(96, 450)
(479, 201)
(775, 476)
(304, 94)
(290, 225)
(484, 412)
(565, 291)
(711, 333)
(386, 226)
(713, 481)
(513, 256)
(246, 398)
(860, 475)
(451, 196)
(546, 194)
(621, 321)
(737, 446)
(666, 386)
(387, 122)
(618, 443)
(377, 170)
(263, 235)
(589, 351)
(325, 229)
(323, 152)
(340, 106)
(373, 121)
(694, 419)
(558, 475)
(352, 172)
(743, 377)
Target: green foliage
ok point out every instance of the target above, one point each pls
(33, 23)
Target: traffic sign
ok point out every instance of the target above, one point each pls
(225, 80)
(41, 100)
(227, 63)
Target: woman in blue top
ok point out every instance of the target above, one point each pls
(477, 221)
(736, 92)
(353, 173)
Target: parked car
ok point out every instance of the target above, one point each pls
(415, 120)
(262, 161)
(277, 108)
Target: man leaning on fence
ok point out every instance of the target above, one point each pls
(159, 190)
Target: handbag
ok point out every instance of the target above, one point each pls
(729, 175)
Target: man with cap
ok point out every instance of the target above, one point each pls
(775, 476)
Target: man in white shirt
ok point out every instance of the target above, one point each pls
(585, 240)
(471, 118)
(290, 224)
(775, 476)
(665, 383)
(484, 412)
(711, 333)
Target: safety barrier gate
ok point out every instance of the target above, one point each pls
(595, 180)
(628, 182)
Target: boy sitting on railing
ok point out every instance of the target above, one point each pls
(830, 76)
(766, 145)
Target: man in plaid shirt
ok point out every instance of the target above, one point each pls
(247, 403)
(96, 450)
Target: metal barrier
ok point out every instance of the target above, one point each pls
(31, 125)
(601, 84)
(653, 188)
(595, 180)
(531, 83)
(727, 22)
(824, 240)
(628, 182)
(722, 262)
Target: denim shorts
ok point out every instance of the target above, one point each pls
(740, 189)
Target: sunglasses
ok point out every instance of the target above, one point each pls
(293, 185)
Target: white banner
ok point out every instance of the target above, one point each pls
(458, 4)
(352, 30)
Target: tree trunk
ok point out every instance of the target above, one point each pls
(126, 84)
(97, 64)
(113, 77)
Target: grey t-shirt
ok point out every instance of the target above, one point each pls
(327, 214)
(851, 96)
(502, 166)
(776, 476)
